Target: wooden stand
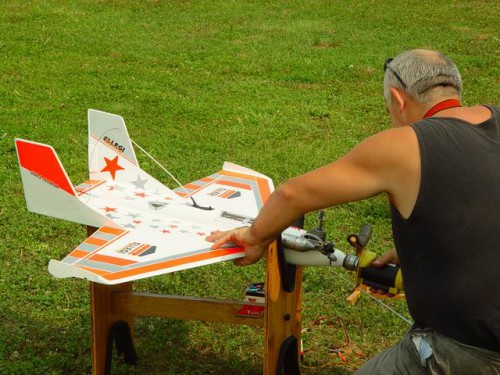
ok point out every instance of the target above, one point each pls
(114, 306)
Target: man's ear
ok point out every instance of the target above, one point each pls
(398, 98)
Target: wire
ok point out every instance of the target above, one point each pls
(188, 195)
(160, 165)
(337, 350)
(375, 299)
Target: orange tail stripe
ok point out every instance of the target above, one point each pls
(92, 182)
(173, 263)
(93, 185)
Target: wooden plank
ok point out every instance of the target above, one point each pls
(186, 308)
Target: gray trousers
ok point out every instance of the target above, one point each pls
(436, 355)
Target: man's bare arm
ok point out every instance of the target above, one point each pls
(384, 162)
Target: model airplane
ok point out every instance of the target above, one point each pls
(145, 228)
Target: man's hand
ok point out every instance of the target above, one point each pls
(240, 237)
(390, 256)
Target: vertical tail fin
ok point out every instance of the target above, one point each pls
(47, 188)
(41, 161)
(109, 140)
(112, 156)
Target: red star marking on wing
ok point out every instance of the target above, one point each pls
(112, 166)
(165, 231)
(109, 209)
(137, 221)
(201, 234)
(141, 195)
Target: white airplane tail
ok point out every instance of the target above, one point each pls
(112, 156)
(48, 189)
(108, 138)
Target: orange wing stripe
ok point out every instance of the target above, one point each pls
(95, 241)
(234, 184)
(206, 179)
(192, 186)
(111, 260)
(94, 270)
(234, 174)
(264, 190)
(174, 263)
(111, 230)
(77, 253)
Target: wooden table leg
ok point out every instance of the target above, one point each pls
(283, 312)
(103, 318)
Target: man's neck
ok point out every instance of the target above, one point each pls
(473, 115)
(441, 106)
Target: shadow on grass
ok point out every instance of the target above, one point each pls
(166, 346)
(173, 347)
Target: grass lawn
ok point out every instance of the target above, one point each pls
(279, 87)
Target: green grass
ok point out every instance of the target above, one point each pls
(277, 87)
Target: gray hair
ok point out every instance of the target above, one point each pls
(427, 75)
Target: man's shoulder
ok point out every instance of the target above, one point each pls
(394, 138)
(389, 148)
(392, 158)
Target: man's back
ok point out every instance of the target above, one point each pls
(448, 245)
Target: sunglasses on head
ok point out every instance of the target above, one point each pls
(386, 66)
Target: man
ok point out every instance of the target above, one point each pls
(440, 168)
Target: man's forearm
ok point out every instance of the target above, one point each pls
(279, 212)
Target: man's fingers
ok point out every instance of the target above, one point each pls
(221, 241)
(386, 258)
(214, 236)
(219, 238)
(382, 260)
(378, 262)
